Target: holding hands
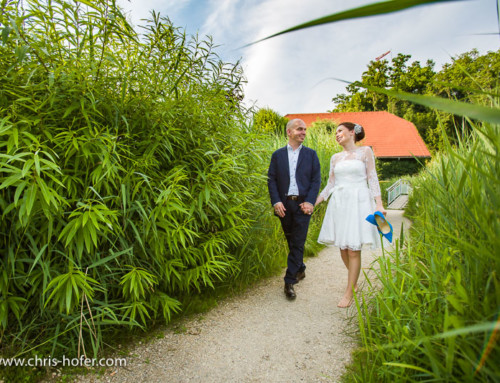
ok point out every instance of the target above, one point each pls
(307, 208)
(319, 200)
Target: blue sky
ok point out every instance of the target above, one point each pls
(288, 73)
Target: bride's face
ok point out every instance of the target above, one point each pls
(344, 135)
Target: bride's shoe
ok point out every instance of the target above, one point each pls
(383, 226)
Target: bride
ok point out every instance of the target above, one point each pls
(355, 193)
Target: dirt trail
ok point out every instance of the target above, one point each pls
(258, 336)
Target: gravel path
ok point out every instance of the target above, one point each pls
(258, 336)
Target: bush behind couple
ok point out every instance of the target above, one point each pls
(294, 180)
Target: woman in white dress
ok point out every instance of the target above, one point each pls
(354, 193)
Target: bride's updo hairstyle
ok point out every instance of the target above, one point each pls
(358, 130)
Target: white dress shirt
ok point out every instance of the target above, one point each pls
(293, 157)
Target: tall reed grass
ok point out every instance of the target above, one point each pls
(433, 315)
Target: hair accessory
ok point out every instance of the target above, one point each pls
(357, 128)
(383, 226)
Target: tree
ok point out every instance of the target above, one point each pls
(359, 99)
(268, 121)
(399, 75)
(329, 125)
(470, 77)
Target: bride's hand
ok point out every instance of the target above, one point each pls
(381, 209)
(319, 200)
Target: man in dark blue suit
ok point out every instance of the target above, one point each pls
(293, 180)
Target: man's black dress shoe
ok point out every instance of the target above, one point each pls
(289, 291)
(300, 275)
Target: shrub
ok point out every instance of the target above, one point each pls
(267, 121)
(125, 183)
(391, 168)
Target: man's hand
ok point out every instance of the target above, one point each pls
(279, 209)
(307, 207)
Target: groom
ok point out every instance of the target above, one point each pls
(293, 181)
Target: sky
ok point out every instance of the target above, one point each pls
(293, 73)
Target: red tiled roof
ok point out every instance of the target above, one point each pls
(388, 135)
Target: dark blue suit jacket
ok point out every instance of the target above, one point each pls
(308, 175)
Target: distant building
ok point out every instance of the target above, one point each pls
(391, 137)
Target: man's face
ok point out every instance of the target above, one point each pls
(297, 133)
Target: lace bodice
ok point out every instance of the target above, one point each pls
(353, 168)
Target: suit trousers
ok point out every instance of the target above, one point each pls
(295, 225)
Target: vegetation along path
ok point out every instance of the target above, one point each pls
(258, 336)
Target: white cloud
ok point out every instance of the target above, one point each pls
(221, 19)
(287, 73)
(284, 72)
(136, 10)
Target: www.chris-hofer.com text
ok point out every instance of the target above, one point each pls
(64, 361)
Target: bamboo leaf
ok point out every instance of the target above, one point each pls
(45, 191)
(89, 4)
(37, 258)
(364, 11)
(27, 167)
(104, 260)
(5, 34)
(459, 108)
(86, 238)
(124, 198)
(69, 231)
(85, 218)
(70, 109)
(37, 163)
(93, 234)
(408, 366)
(19, 190)
(11, 180)
(483, 327)
(51, 165)
(3, 125)
(30, 198)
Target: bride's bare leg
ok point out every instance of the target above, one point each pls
(345, 257)
(352, 277)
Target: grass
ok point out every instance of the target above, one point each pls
(433, 315)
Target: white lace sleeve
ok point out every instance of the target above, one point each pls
(371, 172)
(325, 193)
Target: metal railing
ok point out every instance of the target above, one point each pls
(396, 189)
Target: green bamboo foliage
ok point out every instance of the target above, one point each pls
(125, 179)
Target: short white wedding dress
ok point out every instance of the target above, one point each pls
(352, 186)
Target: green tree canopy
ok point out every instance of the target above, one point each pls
(469, 77)
(267, 120)
(400, 74)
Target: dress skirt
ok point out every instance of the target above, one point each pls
(345, 224)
